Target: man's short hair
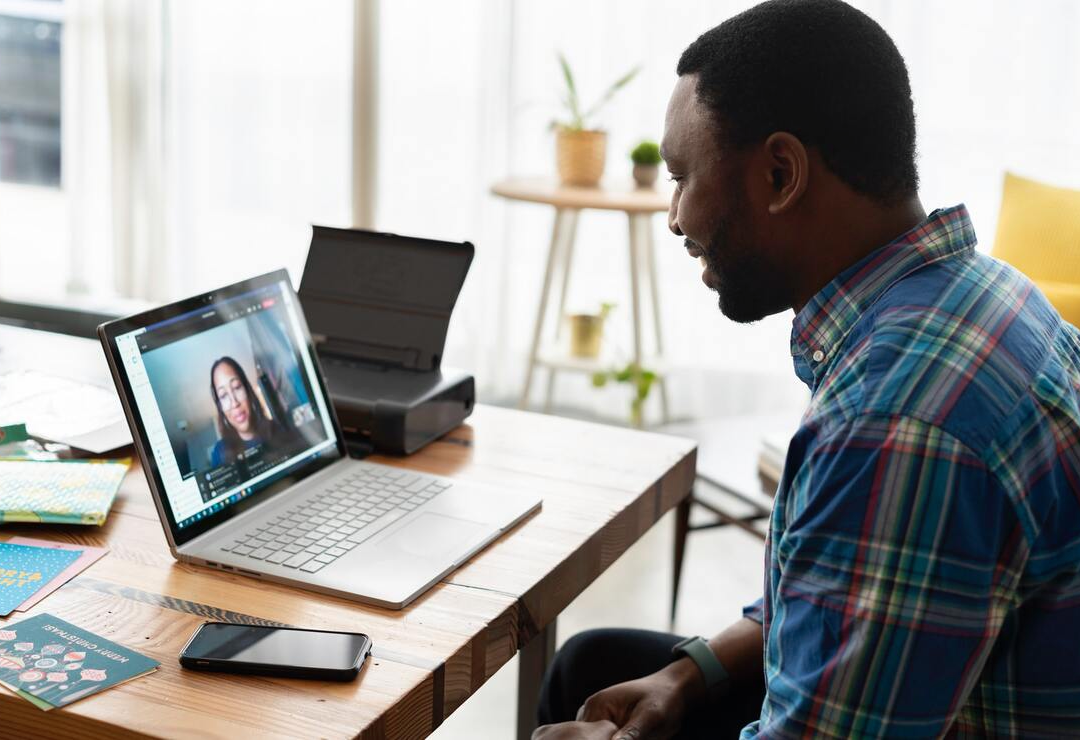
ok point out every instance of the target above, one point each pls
(822, 71)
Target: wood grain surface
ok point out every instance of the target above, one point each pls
(608, 197)
(603, 487)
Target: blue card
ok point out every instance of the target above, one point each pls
(25, 569)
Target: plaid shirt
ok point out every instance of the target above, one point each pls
(923, 563)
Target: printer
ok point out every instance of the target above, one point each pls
(378, 306)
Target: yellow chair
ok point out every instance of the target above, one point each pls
(1038, 233)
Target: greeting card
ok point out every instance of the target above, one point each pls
(25, 569)
(57, 663)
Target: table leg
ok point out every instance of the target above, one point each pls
(567, 257)
(635, 286)
(536, 655)
(654, 291)
(553, 251)
(637, 263)
(682, 530)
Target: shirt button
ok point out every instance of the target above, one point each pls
(818, 355)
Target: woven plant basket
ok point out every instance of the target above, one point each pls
(580, 156)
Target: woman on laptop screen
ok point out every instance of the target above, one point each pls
(242, 424)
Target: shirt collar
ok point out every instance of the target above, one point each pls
(821, 326)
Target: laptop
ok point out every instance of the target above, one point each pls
(247, 463)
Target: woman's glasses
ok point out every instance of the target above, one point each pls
(232, 396)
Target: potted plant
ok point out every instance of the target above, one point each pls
(580, 150)
(639, 378)
(587, 331)
(646, 159)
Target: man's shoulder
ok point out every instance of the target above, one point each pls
(962, 344)
(971, 355)
(958, 344)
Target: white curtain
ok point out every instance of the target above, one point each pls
(259, 110)
(114, 165)
(468, 88)
(202, 138)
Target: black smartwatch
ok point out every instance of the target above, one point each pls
(698, 650)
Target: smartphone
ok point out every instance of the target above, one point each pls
(276, 651)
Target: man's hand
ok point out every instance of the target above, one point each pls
(656, 706)
(650, 707)
(602, 730)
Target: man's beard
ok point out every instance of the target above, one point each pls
(748, 286)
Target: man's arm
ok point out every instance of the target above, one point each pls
(740, 648)
(896, 570)
(656, 705)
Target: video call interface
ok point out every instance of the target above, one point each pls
(236, 397)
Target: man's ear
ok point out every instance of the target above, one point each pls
(788, 171)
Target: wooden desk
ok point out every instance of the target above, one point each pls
(639, 205)
(603, 487)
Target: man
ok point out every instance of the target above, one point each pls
(924, 550)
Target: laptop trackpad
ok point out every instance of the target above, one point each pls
(433, 536)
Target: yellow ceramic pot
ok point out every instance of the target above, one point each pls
(586, 332)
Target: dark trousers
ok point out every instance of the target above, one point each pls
(596, 659)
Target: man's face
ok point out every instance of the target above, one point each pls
(713, 207)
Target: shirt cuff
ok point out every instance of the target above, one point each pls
(755, 611)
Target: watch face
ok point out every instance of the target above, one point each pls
(697, 649)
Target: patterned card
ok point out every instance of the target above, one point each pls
(56, 663)
(89, 556)
(60, 491)
(25, 569)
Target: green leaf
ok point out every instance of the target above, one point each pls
(618, 85)
(644, 385)
(647, 152)
(571, 101)
(599, 380)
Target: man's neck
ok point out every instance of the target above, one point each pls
(861, 228)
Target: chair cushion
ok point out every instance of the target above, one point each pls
(1065, 297)
(1039, 231)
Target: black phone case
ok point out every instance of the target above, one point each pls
(263, 669)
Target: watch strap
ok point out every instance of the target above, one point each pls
(698, 650)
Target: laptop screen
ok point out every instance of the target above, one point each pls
(229, 399)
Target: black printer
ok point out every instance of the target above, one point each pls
(378, 306)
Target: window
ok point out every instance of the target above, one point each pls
(33, 203)
(30, 41)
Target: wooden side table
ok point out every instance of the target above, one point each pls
(639, 205)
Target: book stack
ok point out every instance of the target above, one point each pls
(771, 456)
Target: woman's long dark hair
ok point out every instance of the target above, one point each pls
(264, 428)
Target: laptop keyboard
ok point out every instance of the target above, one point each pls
(317, 532)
